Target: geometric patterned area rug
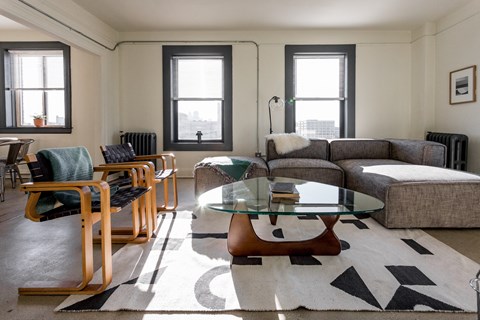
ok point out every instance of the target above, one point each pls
(187, 268)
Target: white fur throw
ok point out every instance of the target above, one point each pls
(288, 142)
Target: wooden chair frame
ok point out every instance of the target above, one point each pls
(144, 218)
(161, 176)
(164, 177)
(138, 172)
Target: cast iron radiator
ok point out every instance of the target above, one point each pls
(143, 143)
(457, 148)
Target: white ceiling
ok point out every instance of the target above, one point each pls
(158, 15)
(167, 15)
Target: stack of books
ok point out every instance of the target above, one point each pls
(284, 192)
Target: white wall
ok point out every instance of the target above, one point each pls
(382, 84)
(383, 91)
(458, 46)
(422, 116)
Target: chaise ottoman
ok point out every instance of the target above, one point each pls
(213, 172)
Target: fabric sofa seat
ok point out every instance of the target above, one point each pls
(310, 163)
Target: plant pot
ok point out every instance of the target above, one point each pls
(39, 122)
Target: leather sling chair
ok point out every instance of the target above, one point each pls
(124, 153)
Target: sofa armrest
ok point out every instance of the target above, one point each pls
(420, 152)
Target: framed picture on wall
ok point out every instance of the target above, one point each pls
(463, 85)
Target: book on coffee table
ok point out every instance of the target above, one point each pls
(283, 187)
(284, 190)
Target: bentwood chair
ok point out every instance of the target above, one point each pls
(124, 153)
(62, 186)
(8, 163)
(15, 170)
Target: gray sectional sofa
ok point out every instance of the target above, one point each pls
(407, 175)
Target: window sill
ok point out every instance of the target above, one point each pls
(35, 130)
(204, 146)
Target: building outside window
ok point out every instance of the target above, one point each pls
(197, 98)
(36, 80)
(320, 90)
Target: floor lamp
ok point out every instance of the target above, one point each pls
(274, 102)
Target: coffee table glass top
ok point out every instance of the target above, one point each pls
(314, 198)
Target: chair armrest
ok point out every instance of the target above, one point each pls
(64, 185)
(81, 186)
(125, 166)
(163, 157)
(139, 171)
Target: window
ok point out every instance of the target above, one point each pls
(320, 90)
(197, 98)
(36, 81)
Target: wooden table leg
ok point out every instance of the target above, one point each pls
(243, 241)
(273, 219)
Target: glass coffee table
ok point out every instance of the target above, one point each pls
(253, 197)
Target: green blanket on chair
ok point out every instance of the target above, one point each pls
(68, 164)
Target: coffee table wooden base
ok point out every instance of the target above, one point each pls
(243, 241)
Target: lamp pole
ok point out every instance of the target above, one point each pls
(277, 101)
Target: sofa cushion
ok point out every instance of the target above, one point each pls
(359, 149)
(318, 149)
(317, 170)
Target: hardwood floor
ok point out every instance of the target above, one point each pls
(14, 203)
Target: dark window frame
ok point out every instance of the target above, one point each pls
(35, 46)
(347, 107)
(170, 143)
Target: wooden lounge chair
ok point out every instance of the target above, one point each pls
(94, 200)
(124, 153)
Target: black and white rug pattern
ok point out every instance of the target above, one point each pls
(187, 268)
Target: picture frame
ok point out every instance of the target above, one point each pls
(463, 85)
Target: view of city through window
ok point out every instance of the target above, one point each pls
(199, 98)
(199, 116)
(319, 91)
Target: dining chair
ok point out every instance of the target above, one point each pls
(15, 170)
(63, 185)
(8, 163)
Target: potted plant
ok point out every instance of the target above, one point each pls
(39, 120)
